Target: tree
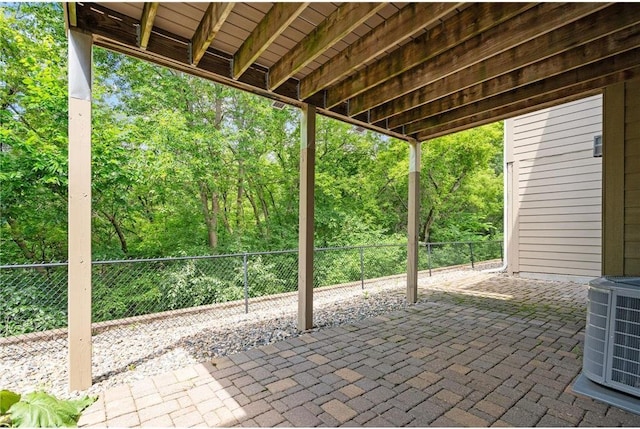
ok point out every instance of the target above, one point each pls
(33, 138)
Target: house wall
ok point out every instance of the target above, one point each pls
(621, 226)
(555, 202)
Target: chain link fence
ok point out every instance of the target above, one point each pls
(191, 290)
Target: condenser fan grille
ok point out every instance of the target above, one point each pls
(596, 332)
(625, 362)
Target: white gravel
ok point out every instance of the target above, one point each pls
(133, 352)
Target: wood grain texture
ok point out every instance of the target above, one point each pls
(209, 26)
(407, 21)
(567, 37)
(146, 22)
(343, 21)
(530, 24)
(462, 26)
(279, 17)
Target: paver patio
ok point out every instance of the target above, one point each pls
(488, 351)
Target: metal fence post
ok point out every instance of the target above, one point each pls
(471, 254)
(501, 252)
(362, 267)
(246, 284)
(429, 257)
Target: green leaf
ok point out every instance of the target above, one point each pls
(7, 399)
(39, 409)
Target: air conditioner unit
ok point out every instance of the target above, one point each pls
(612, 336)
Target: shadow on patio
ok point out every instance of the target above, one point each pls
(490, 350)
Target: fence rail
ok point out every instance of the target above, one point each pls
(33, 297)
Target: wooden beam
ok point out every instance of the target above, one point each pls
(547, 99)
(613, 170)
(532, 23)
(545, 91)
(595, 52)
(211, 23)
(73, 17)
(146, 22)
(79, 218)
(336, 26)
(407, 21)
(472, 21)
(413, 222)
(279, 17)
(306, 215)
(597, 25)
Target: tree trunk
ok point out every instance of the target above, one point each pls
(426, 228)
(256, 213)
(116, 225)
(19, 240)
(240, 195)
(210, 216)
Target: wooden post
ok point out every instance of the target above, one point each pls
(613, 172)
(413, 222)
(305, 233)
(79, 238)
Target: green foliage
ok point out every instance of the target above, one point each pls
(7, 399)
(32, 301)
(265, 278)
(39, 409)
(188, 286)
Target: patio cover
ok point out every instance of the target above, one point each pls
(413, 71)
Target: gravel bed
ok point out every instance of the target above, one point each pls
(129, 353)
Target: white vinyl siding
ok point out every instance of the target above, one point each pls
(558, 189)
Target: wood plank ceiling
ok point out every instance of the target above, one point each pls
(410, 70)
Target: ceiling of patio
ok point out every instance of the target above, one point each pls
(410, 70)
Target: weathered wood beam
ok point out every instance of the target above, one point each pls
(306, 217)
(146, 22)
(473, 20)
(279, 17)
(542, 19)
(407, 21)
(542, 100)
(209, 26)
(340, 23)
(71, 10)
(599, 24)
(599, 52)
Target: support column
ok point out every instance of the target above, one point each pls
(413, 222)
(305, 232)
(613, 176)
(79, 235)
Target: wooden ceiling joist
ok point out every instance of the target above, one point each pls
(473, 20)
(209, 26)
(410, 107)
(146, 23)
(406, 22)
(588, 77)
(336, 26)
(279, 17)
(531, 104)
(534, 22)
(613, 50)
(410, 70)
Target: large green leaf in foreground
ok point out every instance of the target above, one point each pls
(39, 409)
(7, 399)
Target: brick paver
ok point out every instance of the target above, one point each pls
(488, 350)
